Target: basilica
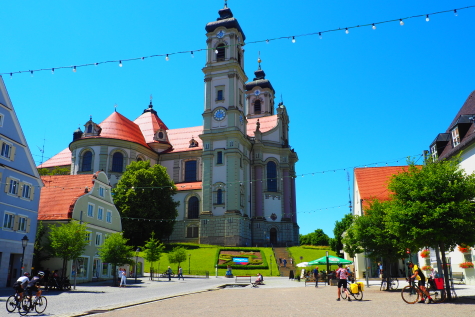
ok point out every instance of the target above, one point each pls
(235, 174)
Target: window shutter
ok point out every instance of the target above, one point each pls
(28, 222)
(20, 191)
(12, 153)
(16, 223)
(32, 192)
(7, 185)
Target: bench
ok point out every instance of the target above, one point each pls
(458, 276)
(311, 280)
(240, 277)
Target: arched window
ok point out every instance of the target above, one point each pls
(271, 177)
(89, 128)
(190, 171)
(117, 162)
(193, 208)
(257, 106)
(86, 162)
(139, 159)
(221, 52)
(219, 197)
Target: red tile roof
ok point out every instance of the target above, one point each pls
(267, 123)
(180, 139)
(59, 195)
(189, 186)
(63, 158)
(149, 123)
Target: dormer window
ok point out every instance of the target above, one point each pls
(193, 143)
(89, 128)
(433, 152)
(455, 137)
(220, 52)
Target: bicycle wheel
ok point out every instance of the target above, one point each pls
(24, 307)
(383, 286)
(11, 304)
(438, 296)
(410, 294)
(40, 305)
(67, 286)
(359, 295)
(343, 294)
(394, 284)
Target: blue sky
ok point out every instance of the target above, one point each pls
(353, 99)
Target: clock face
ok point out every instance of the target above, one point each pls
(220, 34)
(257, 92)
(219, 114)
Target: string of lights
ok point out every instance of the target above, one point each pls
(193, 185)
(293, 38)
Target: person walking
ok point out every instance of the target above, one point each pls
(123, 278)
(342, 275)
(315, 275)
(180, 273)
(280, 261)
(169, 272)
(285, 262)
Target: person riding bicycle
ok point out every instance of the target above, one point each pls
(342, 275)
(34, 285)
(418, 275)
(20, 285)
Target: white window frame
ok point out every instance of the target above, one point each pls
(88, 237)
(6, 147)
(100, 213)
(2, 118)
(109, 216)
(433, 151)
(11, 221)
(26, 194)
(101, 191)
(455, 136)
(90, 210)
(13, 186)
(98, 237)
(22, 223)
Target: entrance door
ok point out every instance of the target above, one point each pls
(273, 236)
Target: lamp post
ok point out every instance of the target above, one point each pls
(24, 243)
(270, 263)
(136, 262)
(189, 264)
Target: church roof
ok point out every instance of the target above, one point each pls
(180, 139)
(266, 124)
(148, 123)
(227, 20)
(59, 195)
(61, 159)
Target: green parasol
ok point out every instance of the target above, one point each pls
(331, 260)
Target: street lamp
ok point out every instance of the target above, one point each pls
(189, 264)
(270, 263)
(24, 243)
(136, 262)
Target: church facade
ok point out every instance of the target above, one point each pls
(235, 174)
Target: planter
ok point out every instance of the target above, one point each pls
(464, 249)
(426, 268)
(466, 265)
(425, 253)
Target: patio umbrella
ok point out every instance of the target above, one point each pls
(331, 260)
(303, 264)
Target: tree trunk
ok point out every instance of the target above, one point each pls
(65, 263)
(115, 275)
(446, 272)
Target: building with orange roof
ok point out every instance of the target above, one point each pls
(85, 198)
(19, 195)
(234, 174)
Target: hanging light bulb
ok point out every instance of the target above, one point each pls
(120, 63)
(374, 27)
(192, 55)
(142, 58)
(455, 12)
(31, 73)
(293, 39)
(427, 18)
(74, 69)
(167, 58)
(320, 35)
(52, 71)
(11, 75)
(267, 41)
(95, 64)
(216, 51)
(401, 22)
(347, 31)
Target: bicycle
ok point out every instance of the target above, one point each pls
(13, 302)
(355, 289)
(38, 304)
(393, 284)
(412, 294)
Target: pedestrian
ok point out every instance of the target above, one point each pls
(169, 272)
(285, 262)
(123, 279)
(380, 269)
(280, 261)
(291, 261)
(46, 279)
(349, 272)
(180, 273)
(342, 275)
(315, 275)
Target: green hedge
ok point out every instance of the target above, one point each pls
(252, 258)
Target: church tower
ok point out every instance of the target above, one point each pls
(226, 148)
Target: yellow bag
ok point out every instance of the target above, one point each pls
(361, 284)
(354, 288)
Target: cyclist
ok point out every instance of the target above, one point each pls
(342, 275)
(20, 284)
(34, 285)
(418, 275)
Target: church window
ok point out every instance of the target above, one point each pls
(239, 59)
(257, 106)
(220, 52)
(219, 159)
(219, 197)
(160, 135)
(193, 208)
(192, 232)
(220, 95)
(117, 162)
(87, 162)
(271, 177)
(190, 171)
(89, 128)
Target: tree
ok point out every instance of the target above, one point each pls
(56, 171)
(41, 250)
(340, 226)
(178, 255)
(115, 250)
(153, 250)
(371, 232)
(144, 198)
(434, 207)
(67, 241)
(318, 237)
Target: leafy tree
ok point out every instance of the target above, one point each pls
(115, 250)
(56, 171)
(434, 207)
(340, 227)
(145, 193)
(178, 255)
(318, 237)
(67, 241)
(371, 232)
(153, 250)
(41, 250)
